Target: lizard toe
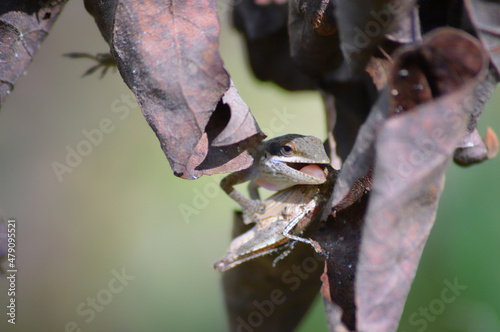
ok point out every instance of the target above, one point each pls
(259, 207)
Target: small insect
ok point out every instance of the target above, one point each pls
(287, 215)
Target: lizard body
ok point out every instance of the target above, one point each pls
(279, 163)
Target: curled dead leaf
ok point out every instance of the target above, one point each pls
(168, 54)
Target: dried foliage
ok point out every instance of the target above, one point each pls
(168, 54)
(403, 83)
(23, 26)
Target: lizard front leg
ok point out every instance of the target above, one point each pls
(251, 207)
(253, 191)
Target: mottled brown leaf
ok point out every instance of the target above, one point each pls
(412, 151)
(401, 212)
(23, 26)
(167, 53)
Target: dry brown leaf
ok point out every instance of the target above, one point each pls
(168, 54)
(23, 27)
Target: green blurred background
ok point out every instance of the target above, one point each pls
(120, 208)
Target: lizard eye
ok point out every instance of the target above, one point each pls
(287, 148)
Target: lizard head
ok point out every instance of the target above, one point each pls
(298, 157)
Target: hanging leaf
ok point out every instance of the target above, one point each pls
(23, 27)
(412, 151)
(168, 54)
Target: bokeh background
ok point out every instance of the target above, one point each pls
(120, 208)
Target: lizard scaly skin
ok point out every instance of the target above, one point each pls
(279, 163)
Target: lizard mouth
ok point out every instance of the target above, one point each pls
(314, 170)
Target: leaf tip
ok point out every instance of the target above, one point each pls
(491, 142)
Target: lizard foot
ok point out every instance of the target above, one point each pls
(256, 206)
(252, 214)
(249, 218)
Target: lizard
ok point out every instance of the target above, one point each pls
(279, 163)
